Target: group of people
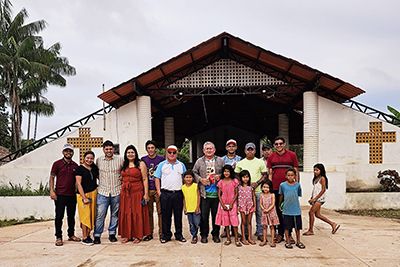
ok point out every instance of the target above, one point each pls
(227, 187)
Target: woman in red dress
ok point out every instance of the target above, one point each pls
(133, 211)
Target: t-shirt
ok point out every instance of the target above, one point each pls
(89, 178)
(279, 165)
(255, 167)
(291, 194)
(170, 174)
(65, 177)
(211, 189)
(232, 161)
(152, 164)
(190, 194)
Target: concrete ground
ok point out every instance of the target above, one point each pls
(360, 241)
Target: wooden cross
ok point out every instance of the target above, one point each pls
(375, 137)
(84, 142)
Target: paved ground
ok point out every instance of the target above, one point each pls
(361, 241)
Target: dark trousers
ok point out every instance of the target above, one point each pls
(61, 203)
(281, 226)
(207, 205)
(171, 201)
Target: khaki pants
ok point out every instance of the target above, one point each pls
(154, 198)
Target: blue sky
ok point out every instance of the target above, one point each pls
(111, 42)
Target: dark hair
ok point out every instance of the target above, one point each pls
(243, 174)
(88, 153)
(150, 142)
(321, 167)
(279, 138)
(189, 172)
(136, 161)
(268, 182)
(230, 169)
(108, 143)
(291, 170)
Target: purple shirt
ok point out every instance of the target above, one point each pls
(152, 164)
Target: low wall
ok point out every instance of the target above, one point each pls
(40, 207)
(372, 200)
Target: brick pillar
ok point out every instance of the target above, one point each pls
(169, 131)
(283, 127)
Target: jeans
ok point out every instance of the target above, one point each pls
(207, 205)
(102, 206)
(171, 202)
(154, 198)
(259, 227)
(61, 203)
(194, 222)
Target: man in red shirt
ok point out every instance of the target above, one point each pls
(278, 162)
(63, 193)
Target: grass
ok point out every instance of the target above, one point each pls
(19, 190)
(4, 223)
(385, 213)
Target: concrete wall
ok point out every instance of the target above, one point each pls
(121, 128)
(22, 207)
(339, 151)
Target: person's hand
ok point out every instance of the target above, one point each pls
(205, 181)
(85, 201)
(53, 195)
(197, 211)
(224, 207)
(146, 197)
(159, 192)
(254, 185)
(311, 201)
(217, 177)
(185, 211)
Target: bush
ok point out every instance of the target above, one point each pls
(19, 190)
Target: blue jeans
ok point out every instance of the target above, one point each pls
(194, 222)
(102, 206)
(259, 227)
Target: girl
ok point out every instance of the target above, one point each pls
(269, 215)
(86, 183)
(227, 208)
(320, 183)
(191, 203)
(247, 204)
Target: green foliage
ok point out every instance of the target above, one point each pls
(20, 190)
(30, 219)
(299, 150)
(184, 152)
(5, 131)
(395, 113)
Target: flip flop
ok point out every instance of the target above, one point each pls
(262, 244)
(288, 245)
(238, 244)
(227, 242)
(308, 233)
(300, 245)
(335, 229)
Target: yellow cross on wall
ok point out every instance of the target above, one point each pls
(84, 142)
(375, 137)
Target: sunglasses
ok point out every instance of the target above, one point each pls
(279, 144)
(172, 152)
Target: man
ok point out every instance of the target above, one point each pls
(258, 173)
(152, 160)
(109, 190)
(207, 171)
(278, 162)
(169, 188)
(266, 152)
(231, 158)
(63, 193)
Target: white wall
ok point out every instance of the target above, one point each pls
(339, 151)
(121, 128)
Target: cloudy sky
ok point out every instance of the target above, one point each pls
(110, 42)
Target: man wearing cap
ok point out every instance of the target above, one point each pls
(266, 152)
(169, 187)
(258, 173)
(63, 193)
(231, 158)
(108, 193)
(207, 171)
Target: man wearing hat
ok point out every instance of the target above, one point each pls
(169, 187)
(258, 173)
(266, 151)
(63, 194)
(231, 158)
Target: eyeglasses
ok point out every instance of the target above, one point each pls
(279, 144)
(172, 152)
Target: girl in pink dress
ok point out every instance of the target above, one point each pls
(269, 215)
(247, 204)
(227, 209)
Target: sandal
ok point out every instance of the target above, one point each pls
(288, 245)
(263, 244)
(227, 242)
(136, 241)
(244, 241)
(74, 238)
(334, 230)
(251, 241)
(59, 242)
(300, 245)
(238, 244)
(272, 245)
(194, 240)
(308, 233)
(148, 238)
(124, 240)
(279, 239)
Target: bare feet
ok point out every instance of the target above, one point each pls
(136, 241)
(308, 233)
(124, 240)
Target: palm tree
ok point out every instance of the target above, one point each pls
(395, 113)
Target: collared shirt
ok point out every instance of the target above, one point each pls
(109, 175)
(170, 174)
(256, 168)
(232, 161)
(64, 171)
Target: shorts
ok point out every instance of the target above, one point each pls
(292, 221)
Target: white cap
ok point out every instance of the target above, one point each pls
(68, 146)
(172, 148)
(231, 141)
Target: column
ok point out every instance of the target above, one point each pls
(144, 132)
(283, 127)
(169, 131)
(310, 115)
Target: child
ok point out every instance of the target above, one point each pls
(191, 203)
(320, 183)
(227, 208)
(289, 192)
(247, 201)
(269, 215)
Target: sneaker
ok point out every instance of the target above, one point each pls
(112, 238)
(87, 241)
(97, 240)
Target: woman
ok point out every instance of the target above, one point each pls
(133, 211)
(86, 183)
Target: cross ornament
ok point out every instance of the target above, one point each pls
(84, 142)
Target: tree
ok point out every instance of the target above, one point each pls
(395, 113)
(5, 136)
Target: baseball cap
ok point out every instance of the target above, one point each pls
(172, 148)
(68, 146)
(231, 141)
(266, 146)
(250, 145)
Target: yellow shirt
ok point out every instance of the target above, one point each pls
(190, 195)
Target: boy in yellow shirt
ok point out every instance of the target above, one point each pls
(191, 203)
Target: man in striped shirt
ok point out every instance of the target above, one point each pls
(108, 192)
